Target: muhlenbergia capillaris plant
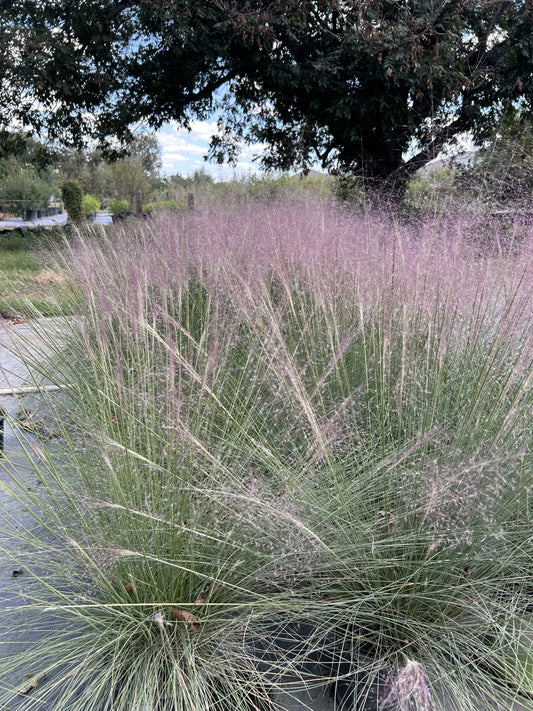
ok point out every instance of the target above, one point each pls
(295, 451)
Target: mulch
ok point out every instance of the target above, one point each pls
(13, 320)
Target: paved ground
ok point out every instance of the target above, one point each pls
(18, 341)
(52, 221)
(18, 470)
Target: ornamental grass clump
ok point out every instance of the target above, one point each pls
(296, 452)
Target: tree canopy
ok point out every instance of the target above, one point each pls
(138, 171)
(375, 87)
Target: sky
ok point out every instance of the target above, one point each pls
(183, 152)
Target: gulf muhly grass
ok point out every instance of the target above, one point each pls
(296, 450)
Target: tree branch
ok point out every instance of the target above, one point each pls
(207, 89)
(482, 56)
(433, 148)
(121, 7)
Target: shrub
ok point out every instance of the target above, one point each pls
(118, 206)
(21, 189)
(152, 207)
(72, 195)
(299, 187)
(501, 174)
(428, 194)
(348, 190)
(89, 204)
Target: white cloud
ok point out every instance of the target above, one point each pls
(181, 149)
(170, 159)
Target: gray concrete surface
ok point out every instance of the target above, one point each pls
(19, 342)
(51, 221)
(13, 372)
(19, 472)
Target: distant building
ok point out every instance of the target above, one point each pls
(447, 161)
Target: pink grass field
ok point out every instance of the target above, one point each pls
(473, 269)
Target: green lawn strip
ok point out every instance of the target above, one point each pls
(29, 280)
